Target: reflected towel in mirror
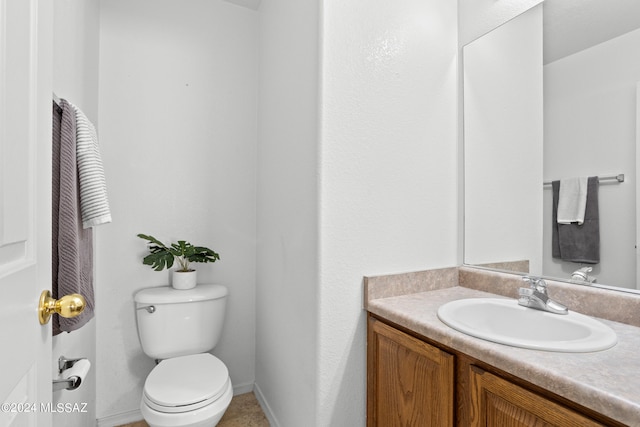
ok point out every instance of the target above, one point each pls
(572, 200)
(578, 242)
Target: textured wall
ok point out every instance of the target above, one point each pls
(388, 171)
(375, 184)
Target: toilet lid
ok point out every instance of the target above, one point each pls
(186, 380)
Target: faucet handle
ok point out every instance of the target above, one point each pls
(536, 283)
(535, 296)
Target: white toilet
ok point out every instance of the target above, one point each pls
(189, 387)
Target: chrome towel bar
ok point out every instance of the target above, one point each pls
(619, 178)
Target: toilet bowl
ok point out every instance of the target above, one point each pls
(188, 387)
(187, 391)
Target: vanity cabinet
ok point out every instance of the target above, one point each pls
(494, 401)
(411, 382)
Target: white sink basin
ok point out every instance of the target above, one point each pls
(505, 322)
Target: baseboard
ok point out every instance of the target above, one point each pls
(120, 419)
(242, 388)
(273, 422)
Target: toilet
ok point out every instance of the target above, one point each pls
(188, 387)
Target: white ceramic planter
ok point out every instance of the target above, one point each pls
(183, 279)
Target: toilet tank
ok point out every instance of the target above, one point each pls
(175, 322)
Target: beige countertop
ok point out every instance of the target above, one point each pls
(606, 381)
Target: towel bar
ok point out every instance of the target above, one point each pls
(619, 178)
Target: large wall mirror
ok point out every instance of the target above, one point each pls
(554, 94)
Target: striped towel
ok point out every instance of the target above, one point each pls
(94, 204)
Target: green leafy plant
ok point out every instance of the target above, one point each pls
(163, 256)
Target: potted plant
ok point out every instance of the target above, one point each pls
(163, 256)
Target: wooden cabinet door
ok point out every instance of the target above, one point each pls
(496, 402)
(409, 382)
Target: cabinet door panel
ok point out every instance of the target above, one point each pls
(496, 402)
(410, 382)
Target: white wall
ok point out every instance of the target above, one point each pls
(356, 175)
(178, 126)
(388, 171)
(376, 184)
(590, 129)
(503, 131)
(287, 278)
(75, 78)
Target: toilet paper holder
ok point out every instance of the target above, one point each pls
(64, 363)
(70, 383)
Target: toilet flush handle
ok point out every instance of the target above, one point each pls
(149, 308)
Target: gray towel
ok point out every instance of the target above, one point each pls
(72, 246)
(573, 242)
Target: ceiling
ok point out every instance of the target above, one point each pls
(250, 4)
(569, 25)
(573, 25)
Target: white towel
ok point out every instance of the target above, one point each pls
(94, 204)
(572, 200)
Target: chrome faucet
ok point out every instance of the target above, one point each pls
(582, 275)
(535, 296)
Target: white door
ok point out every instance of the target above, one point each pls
(25, 210)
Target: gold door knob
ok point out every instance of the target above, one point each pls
(67, 306)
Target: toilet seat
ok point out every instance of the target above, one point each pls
(186, 383)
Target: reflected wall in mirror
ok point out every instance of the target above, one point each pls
(590, 128)
(503, 120)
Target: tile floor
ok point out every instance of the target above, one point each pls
(244, 411)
